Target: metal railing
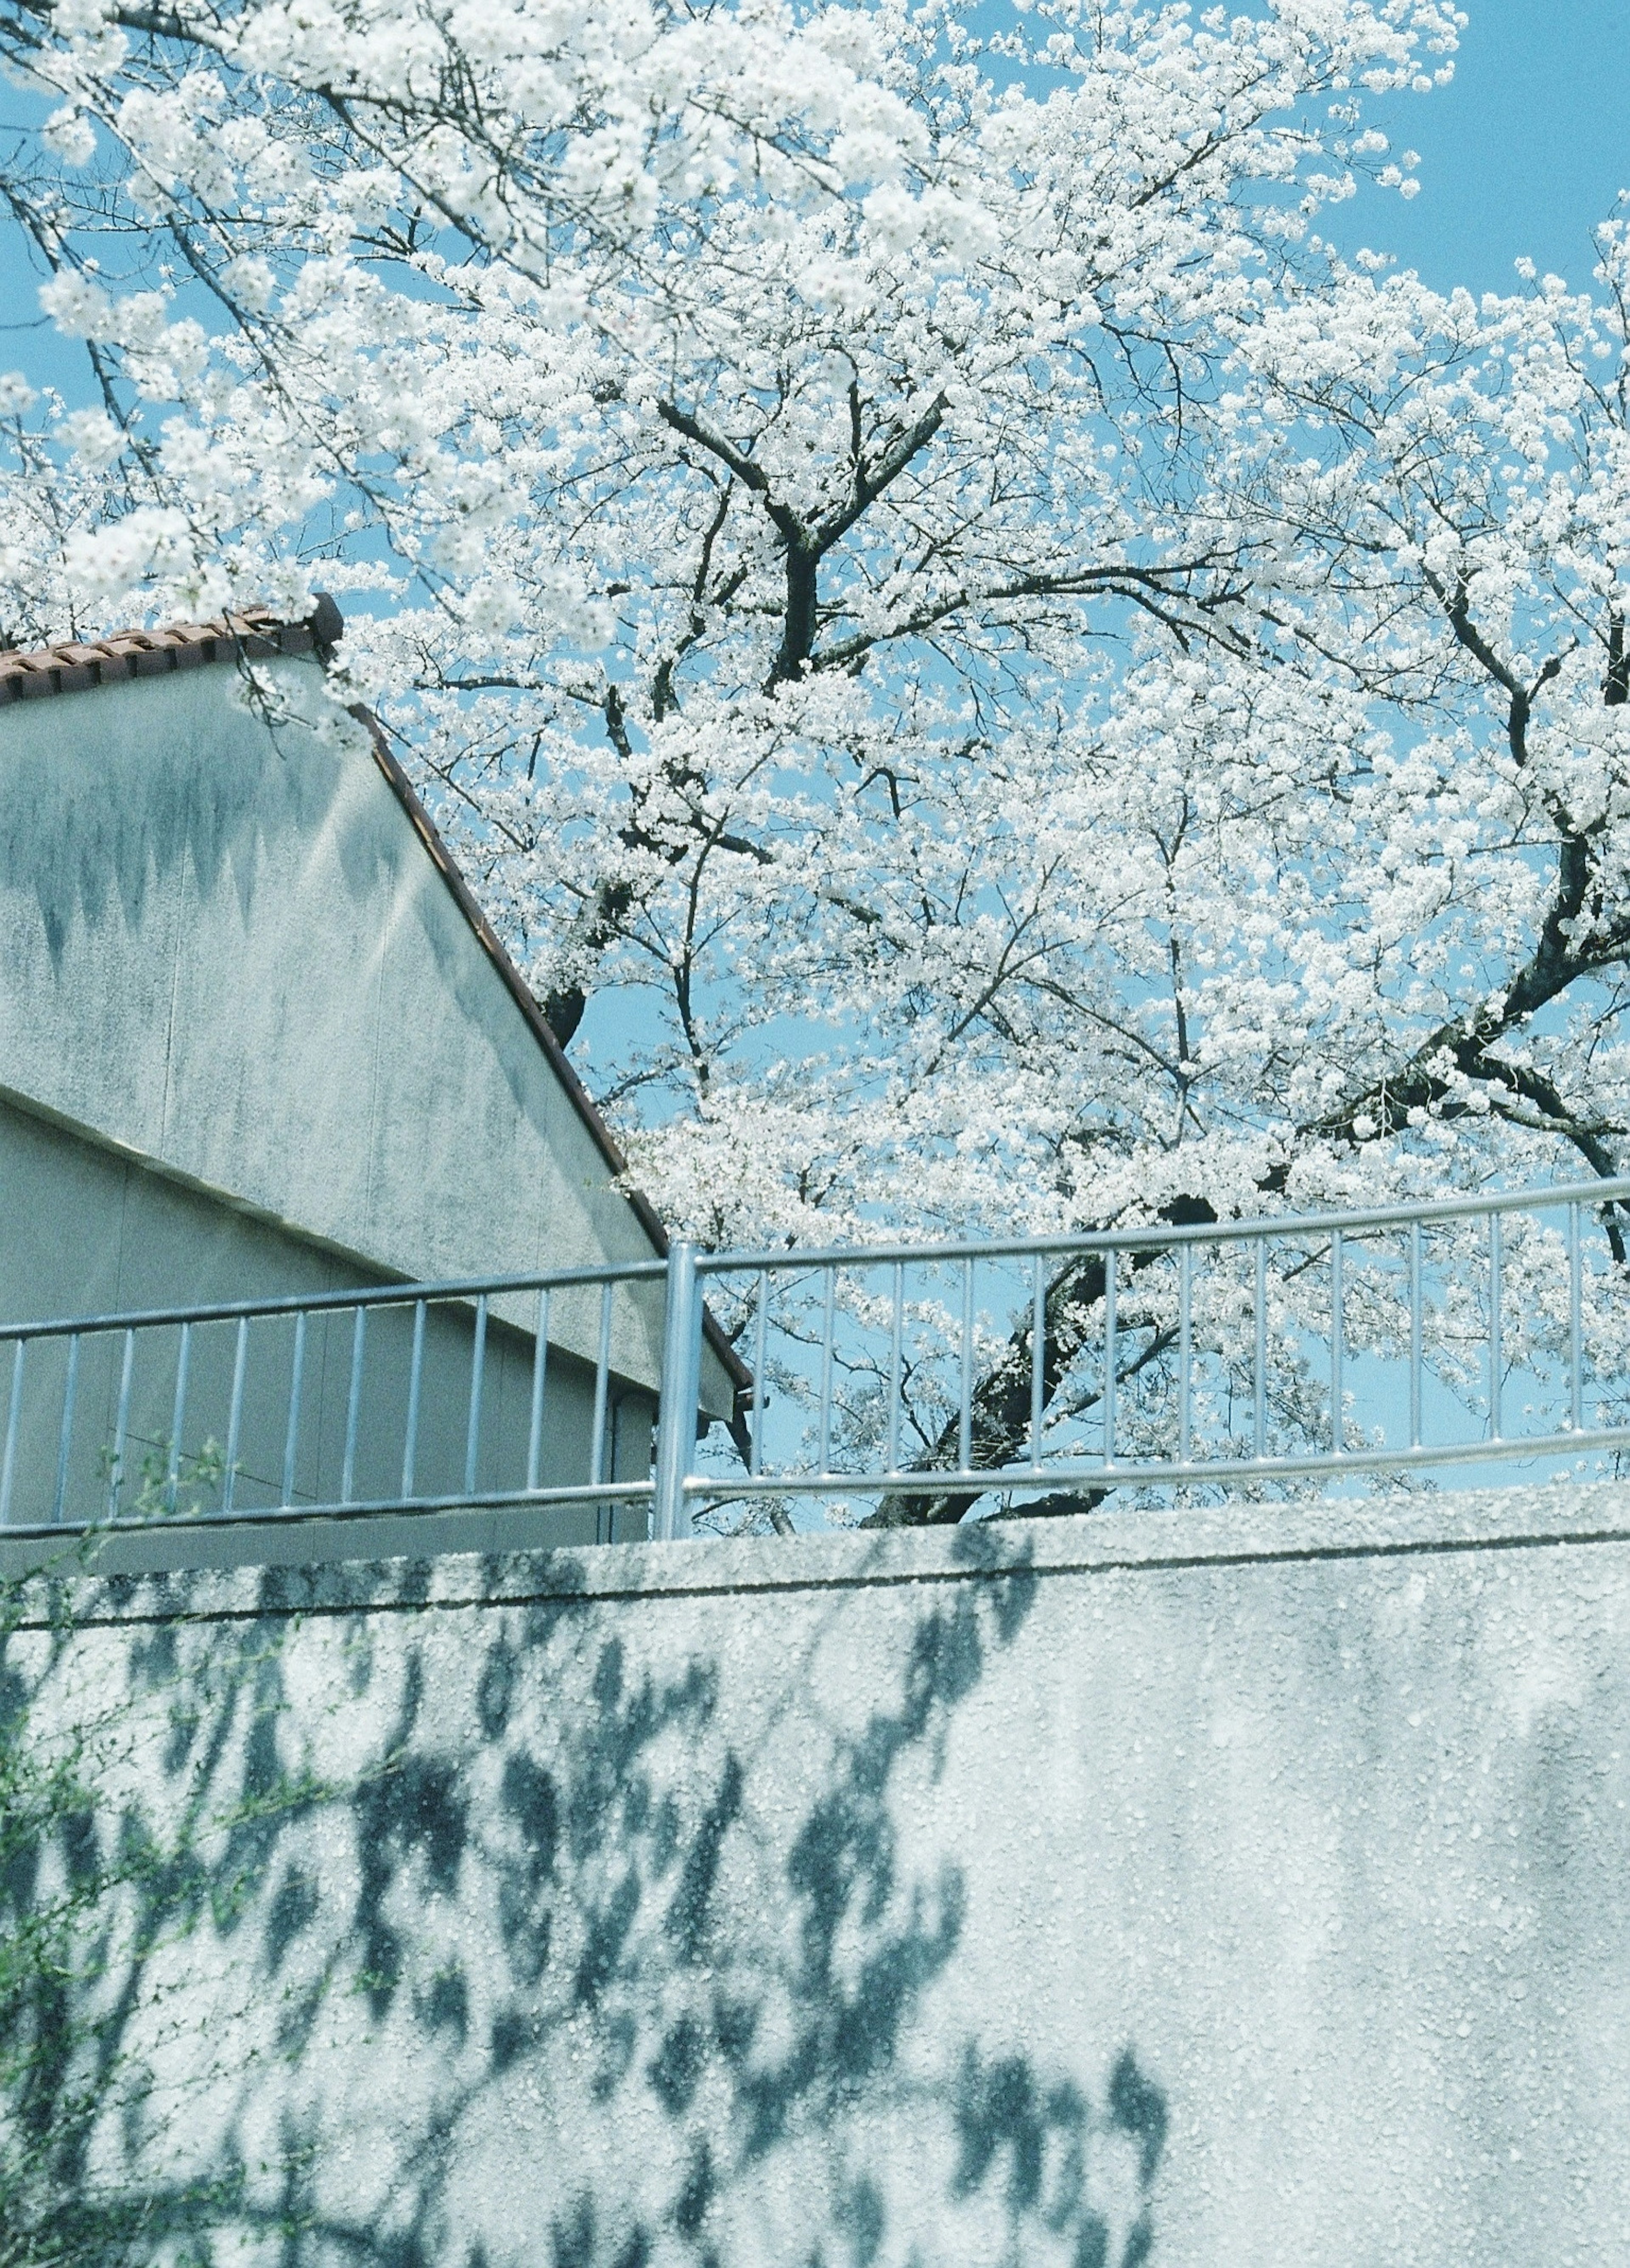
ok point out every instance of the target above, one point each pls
(1234, 1358)
(236, 1409)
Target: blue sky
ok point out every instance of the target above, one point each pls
(1521, 155)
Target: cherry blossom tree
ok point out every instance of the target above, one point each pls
(987, 678)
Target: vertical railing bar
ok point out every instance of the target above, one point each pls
(234, 1415)
(677, 1410)
(291, 1428)
(964, 1399)
(1110, 1354)
(1496, 1351)
(828, 1321)
(602, 1375)
(1575, 1349)
(1260, 1368)
(1338, 1427)
(1185, 1350)
(897, 1382)
(122, 1425)
(8, 1469)
(416, 1380)
(1038, 1357)
(69, 1388)
(540, 1365)
(761, 1353)
(177, 1420)
(353, 1403)
(1415, 1334)
(478, 1378)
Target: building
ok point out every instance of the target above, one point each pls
(256, 1040)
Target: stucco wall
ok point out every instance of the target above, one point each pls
(1228, 1890)
(226, 948)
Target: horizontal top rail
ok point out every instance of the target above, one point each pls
(1153, 1236)
(360, 1295)
(1164, 1237)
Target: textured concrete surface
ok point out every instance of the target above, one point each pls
(227, 951)
(1213, 1888)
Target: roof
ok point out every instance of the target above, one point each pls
(256, 633)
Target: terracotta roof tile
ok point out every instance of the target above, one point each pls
(69, 667)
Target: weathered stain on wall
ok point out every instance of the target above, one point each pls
(228, 950)
(1213, 1888)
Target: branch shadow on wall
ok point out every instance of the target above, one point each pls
(605, 1894)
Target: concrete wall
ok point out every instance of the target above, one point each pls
(88, 1230)
(226, 949)
(1211, 1889)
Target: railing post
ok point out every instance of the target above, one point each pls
(682, 1381)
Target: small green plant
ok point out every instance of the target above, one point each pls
(160, 1485)
(97, 1880)
(62, 2063)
